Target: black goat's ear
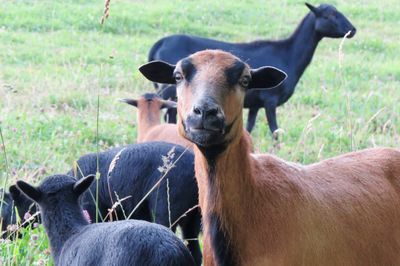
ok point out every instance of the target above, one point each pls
(266, 77)
(158, 71)
(129, 101)
(14, 191)
(29, 190)
(168, 104)
(312, 8)
(83, 184)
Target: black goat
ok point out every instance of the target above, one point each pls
(134, 172)
(7, 213)
(13, 202)
(292, 55)
(74, 241)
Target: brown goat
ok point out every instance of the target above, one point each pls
(149, 126)
(260, 210)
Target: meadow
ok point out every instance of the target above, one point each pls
(59, 68)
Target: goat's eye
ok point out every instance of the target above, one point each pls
(244, 82)
(332, 15)
(178, 77)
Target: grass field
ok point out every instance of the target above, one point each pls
(56, 59)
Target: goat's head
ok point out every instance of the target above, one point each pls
(151, 102)
(22, 202)
(211, 87)
(56, 190)
(330, 22)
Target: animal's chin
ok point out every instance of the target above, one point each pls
(205, 137)
(351, 35)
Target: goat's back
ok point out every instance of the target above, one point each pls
(128, 242)
(135, 170)
(167, 133)
(343, 211)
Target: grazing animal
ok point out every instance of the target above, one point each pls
(258, 209)
(13, 202)
(129, 173)
(149, 127)
(292, 55)
(74, 241)
(7, 213)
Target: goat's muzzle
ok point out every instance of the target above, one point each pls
(353, 31)
(205, 124)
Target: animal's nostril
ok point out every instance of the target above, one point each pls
(205, 111)
(197, 110)
(212, 111)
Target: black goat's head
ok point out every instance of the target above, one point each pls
(56, 190)
(330, 22)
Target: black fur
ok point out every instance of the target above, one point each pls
(292, 55)
(188, 69)
(222, 246)
(13, 202)
(234, 72)
(7, 213)
(134, 174)
(74, 241)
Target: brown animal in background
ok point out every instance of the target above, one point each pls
(149, 107)
(261, 210)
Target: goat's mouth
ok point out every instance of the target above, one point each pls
(351, 34)
(204, 136)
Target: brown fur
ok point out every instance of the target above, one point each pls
(150, 127)
(341, 211)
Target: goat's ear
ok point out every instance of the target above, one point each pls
(266, 77)
(14, 191)
(168, 104)
(158, 71)
(29, 190)
(129, 101)
(83, 184)
(312, 8)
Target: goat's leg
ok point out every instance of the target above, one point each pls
(251, 119)
(270, 112)
(170, 115)
(190, 230)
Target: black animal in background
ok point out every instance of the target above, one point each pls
(13, 202)
(74, 241)
(7, 213)
(134, 173)
(292, 55)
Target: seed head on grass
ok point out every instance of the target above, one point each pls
(114, 162)
(106, 11)
(168, 162)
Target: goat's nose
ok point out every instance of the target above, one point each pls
(205, 110)
(352, 32)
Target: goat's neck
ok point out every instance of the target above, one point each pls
(146, 120)
(224, 182)
(61, 223)
(303, 43)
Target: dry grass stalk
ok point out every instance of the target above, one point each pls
(184, 215)
(106, 12)
(165, 168)
(114, 207)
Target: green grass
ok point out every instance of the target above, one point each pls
(56, 57)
